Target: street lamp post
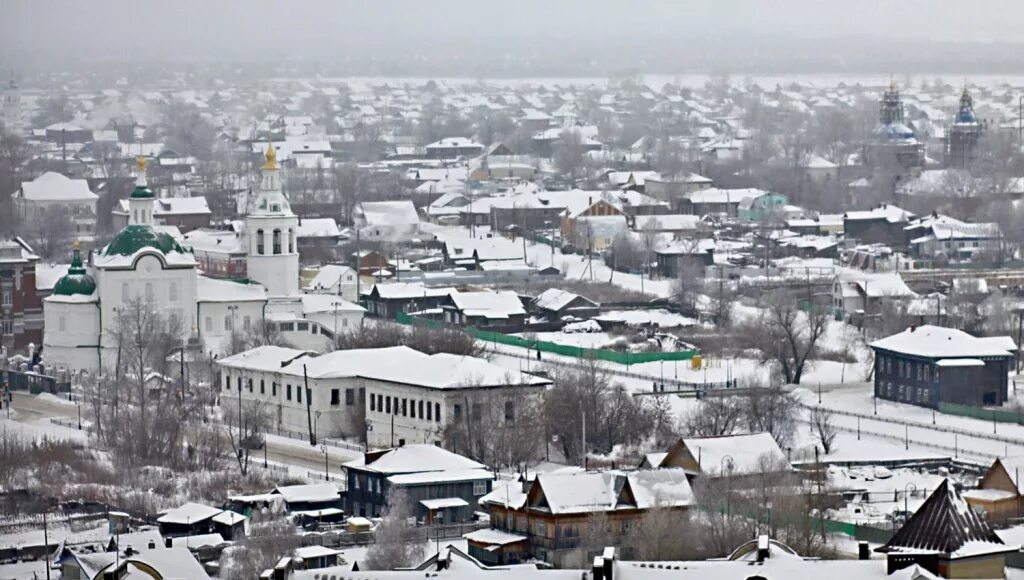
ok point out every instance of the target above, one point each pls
(912, 488)
(326, 473)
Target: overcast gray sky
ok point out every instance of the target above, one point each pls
(627, 31)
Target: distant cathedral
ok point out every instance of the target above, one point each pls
(10, 105)
(962, 136)
(893, 141)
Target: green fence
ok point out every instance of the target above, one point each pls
(624, 358)
(997, 415)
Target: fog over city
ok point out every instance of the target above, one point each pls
(522, 290)
(525, 37)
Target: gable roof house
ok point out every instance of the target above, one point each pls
(881, 225)
(725, 456)
(485, 309)
(544, 518)
(859, 293)
(557, 304)
(999, 493)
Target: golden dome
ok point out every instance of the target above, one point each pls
(271, 157)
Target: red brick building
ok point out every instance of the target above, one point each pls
(21, 308)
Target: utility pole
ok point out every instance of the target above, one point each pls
(584, 450)
(46, 545)
(309, 413)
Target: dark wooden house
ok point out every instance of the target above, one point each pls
(930, 365)
(443, 487)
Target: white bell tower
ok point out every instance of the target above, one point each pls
(272, 230)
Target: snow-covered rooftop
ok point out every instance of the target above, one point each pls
(939, 342)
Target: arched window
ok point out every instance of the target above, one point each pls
(277, 242)
(510, 412)
(149, 291)
(172, 292)
(124, 292)
(259, 242)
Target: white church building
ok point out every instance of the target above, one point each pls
(144, 262)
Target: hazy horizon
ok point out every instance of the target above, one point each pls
(523, 38)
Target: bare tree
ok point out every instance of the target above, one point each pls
(14, 152)
(498, 430)
(772, 410)
(246, 424)
(785, 335)
(823, 427)
(270, 537)
(395, 542)
(656, 537)
(569, 153)
(714, 417)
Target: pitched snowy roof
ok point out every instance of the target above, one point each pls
(716, 195)
(736, 454)
(945, 524)
(189, 513)
(52, 186)
(316, 492)
(314, 303)
(447, 476)
(556, 299)
(388, 213)
(332, 274)
(406, 290)
(414, 458)
(488, 303)
(317, 228)
(603, 491)
(939, 342)
(888, 212)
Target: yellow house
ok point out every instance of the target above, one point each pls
(998, 496)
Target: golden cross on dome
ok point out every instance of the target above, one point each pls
(140, 163)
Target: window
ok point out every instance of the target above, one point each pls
(263, 387)
(277, 242)
(344, 322)
(298, 394)
(246, 322)
(361, 394)
(927, 372)
(8, 297)
(302, 326)
(350, 397)
(479, 487)
(273, 389)
(437, 412)
(920, 372)
(510, 412)
(388, 401)
(335, 397)
(124, 292)
(405, 408)
(288, 392)
(373, 402)
(539, 528)
(250, 385)
(259, 242)
(510, 522)
(421, 410)
(239, 383)
(456, 411)
(62, 324)
(430, 412)
(355, 480)
(149, 291)
(172, 292)
(227, 323)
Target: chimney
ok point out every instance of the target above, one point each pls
(168, 542)
(152, 544)
(129, 551)
(526, 485)
(863, 551)
(609, 559)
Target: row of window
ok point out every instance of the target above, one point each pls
(906, 393)
(350, 394)
(405, 407)
(906, 369)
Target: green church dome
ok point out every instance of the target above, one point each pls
(76, 281)
(136, 237)
(141, 192)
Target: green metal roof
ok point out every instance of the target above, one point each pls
(135, 237)
(76, 281)
(141, 192)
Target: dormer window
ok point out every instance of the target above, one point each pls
(275, 208)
